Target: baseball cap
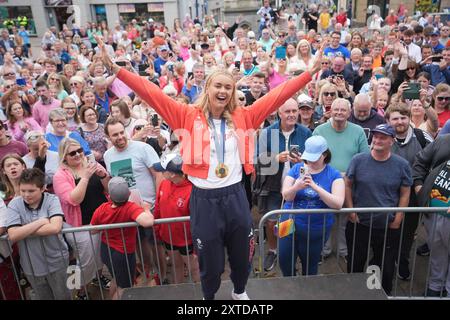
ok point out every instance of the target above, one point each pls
(171, 162)
(118, 190)
(150, 20)
(384, 129)
(251, 35)
(164, 47)
(435, 33)
(314, 147)
(304, 100)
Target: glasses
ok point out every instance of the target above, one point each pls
(325, 63)
(331, 94)
(231, 47)
(74, 84)
(241, 98)
(139, 127)
(443, 98)
(55, 79)
(34, 137)
(411, 68)
(75, 152)
(59, 120)
(70, 108)
(9, 74)
(281, 35)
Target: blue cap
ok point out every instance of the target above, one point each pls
(315, 146)
(384, 129)
(435, 33)
(164, 47)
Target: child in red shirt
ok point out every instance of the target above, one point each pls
(119, 258)
(172, 200)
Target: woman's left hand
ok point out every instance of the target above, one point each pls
(100, 170)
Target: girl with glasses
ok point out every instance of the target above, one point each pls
(441, 102)
(327, 94)
(20, 121)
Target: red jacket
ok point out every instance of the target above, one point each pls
(172, 201)
(192, 126)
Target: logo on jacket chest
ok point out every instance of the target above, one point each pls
(180, 203)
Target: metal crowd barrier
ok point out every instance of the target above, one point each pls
(342, 214)
(82, 232)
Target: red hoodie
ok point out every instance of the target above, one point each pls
(172, 200)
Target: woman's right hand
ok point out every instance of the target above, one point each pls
(402, 88)
(300, 183)
(88, 171)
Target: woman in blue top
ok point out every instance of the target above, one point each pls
(310, 185)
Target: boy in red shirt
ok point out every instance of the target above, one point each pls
(119, 258)
(172, 200)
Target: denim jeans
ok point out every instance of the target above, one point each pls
(307, 248)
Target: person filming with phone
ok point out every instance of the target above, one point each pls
(290, 145)
(195, 82)
(311, 184)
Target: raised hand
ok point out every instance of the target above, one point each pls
(105, 57)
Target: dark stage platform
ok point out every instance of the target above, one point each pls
(323, 287)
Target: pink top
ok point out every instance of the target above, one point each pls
(275, 79)
(63, 185)
(41, 111)
(18, 134)
(119, 88)
(184, 53)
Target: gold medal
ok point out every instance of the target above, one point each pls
(222, 170)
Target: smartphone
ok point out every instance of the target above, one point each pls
(21, 82)
(170, 67)
(193, 46)
(436, 58)
(141, 70)
(190, 75)
(237, 64)
(155, 120)
(280, 52)
(294, 150)
(121, 63)
(412, 93)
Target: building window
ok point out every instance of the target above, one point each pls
(141, 12)
(17, 16)
(100, 13)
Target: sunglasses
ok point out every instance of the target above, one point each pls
(75, 84)
(241, 98)
(325, 63)
(281, 35)
(56, 79)
(75, 152)
(139, 127)
(9, 74)
(331, 94)
(34, 137)
(443, 98)
(411, 68)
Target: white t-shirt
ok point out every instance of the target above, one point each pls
(232, 161)
(287, 164)
(133, 165)
(51, 165)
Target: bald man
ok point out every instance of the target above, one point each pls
(275, 160)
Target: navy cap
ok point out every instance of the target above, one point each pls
(384, 129)
(171, 162)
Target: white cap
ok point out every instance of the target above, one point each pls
(251, 34)
(150, 20)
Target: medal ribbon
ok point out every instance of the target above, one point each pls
(220, 146)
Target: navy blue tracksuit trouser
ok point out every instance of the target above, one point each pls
(221, 218)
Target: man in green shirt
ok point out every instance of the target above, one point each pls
(344, 139)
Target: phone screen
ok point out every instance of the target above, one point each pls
(280, 52)
(294, 150)
(190, 75)
(237, 64)
(21, 82)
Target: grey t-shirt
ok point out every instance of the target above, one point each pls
(133, 165)
(4, 248)
(377, 184)
(39, 256)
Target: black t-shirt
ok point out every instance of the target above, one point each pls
(311, 23)
(94, 197)
(250, 99)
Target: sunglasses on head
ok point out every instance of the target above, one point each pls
(75, 152)
(443, 98)
(331, 94)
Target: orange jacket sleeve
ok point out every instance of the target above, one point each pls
(171, 111)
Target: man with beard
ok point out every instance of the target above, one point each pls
(407, 143)
(364, 115)
(414, 51)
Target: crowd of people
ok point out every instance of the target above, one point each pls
(211, 120)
